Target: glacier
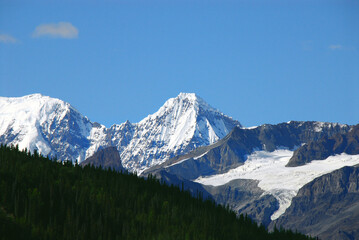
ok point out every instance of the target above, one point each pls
(275, 178)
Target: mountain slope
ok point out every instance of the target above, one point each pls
(327, 207)
(55, 128)
(259, 154)
(179, 126)
(245, 197)
(48, 125)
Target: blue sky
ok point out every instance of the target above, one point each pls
(257, 61)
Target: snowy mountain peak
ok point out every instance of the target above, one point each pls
(33, 104)
(184, 102)
(35, 96)
(180, 125)
(189, 96)
(189, 100)
(193, 99)
(49, 125)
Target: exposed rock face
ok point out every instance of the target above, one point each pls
(231, 151)
(327, 207)
(327, 146)
(106, 158)
(261, 209)
(245, 197)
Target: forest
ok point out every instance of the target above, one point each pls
(42, 198)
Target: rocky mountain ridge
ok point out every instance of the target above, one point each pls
(232, 151)
(327, 146)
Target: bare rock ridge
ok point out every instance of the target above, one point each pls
(105, 158)
(327, 146)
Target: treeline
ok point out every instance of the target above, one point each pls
(44, 199)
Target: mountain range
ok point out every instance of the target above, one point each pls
(55, 128)
(295, 174)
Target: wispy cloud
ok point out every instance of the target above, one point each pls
(335, 47)
(56, 30)
(5, 38)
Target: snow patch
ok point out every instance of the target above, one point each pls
(253, 127)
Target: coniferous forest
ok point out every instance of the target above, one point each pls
(45, 199)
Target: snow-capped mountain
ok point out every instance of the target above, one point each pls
(48, 125)
(53, 127)
(180, 125)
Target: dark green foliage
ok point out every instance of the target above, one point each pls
(9, 229)
(44, 199)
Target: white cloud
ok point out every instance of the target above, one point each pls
(5, 38)
(335, 47)
(56, 30)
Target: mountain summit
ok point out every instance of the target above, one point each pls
(53, 127)
(179, 126)
(48, 125)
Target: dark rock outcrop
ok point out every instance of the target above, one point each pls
(106, 158)
(245, 197)
(327, 146)
(261, 209)
(327, 207)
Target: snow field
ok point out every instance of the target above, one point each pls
(276, 179)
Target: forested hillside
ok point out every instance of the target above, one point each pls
(44, 199)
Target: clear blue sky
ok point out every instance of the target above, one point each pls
(257, 61)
